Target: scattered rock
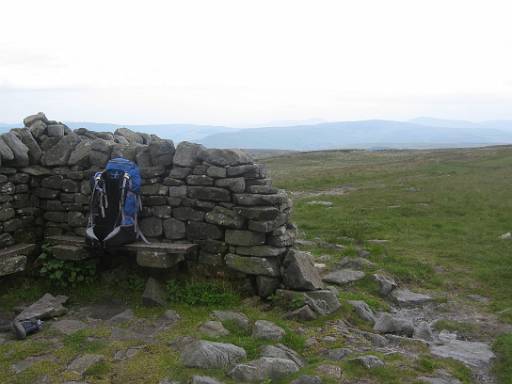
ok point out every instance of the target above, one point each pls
(343, 276)
(324, 302)
(336, 354)
(377, 241)
(283, 352)
(154, 293)
(46, 307)
(84, 362)
(123, 317)
(304, 313)
(307, 380)
(404, 297)
(330, 371)
(68, 326)
(506, 236)
(168, 381)
(369, 361)
(237, 318)
(204, 380)
(355, 263)
(299, 272)
(363, 310)
(213, 329)
(423, 332)
(126, 354)
(28, 362)
(472, 353)
(387, 284)
(262, 369)
(386, 323)
(441, 377)
(267, 330)
(376, 340)
(211, 355)
(320, 202)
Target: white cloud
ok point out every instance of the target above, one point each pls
(249, 61)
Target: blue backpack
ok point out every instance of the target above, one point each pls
(115, 204)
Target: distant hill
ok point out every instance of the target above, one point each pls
(422, 132)
(176, 132)
(358, 134)
(505, 125)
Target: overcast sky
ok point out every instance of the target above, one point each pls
(249, 62)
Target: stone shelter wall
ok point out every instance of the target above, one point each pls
(219, 199)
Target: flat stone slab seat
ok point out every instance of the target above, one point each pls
(14, 258)
(153, 255)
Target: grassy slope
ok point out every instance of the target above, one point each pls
(443, 212)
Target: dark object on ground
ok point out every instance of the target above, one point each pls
(23, 328)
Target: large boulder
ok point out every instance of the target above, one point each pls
(60, 152)
(188, 154)
(17, 147)
(211, 355)
(299, 272)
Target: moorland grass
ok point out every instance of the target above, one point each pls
(443, 212)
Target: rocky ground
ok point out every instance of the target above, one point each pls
(414, 338)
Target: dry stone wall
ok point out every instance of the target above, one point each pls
(219, 199)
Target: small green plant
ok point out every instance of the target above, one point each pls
(66, 273)
(203, 293)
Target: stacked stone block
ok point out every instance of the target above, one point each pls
(218, 199)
